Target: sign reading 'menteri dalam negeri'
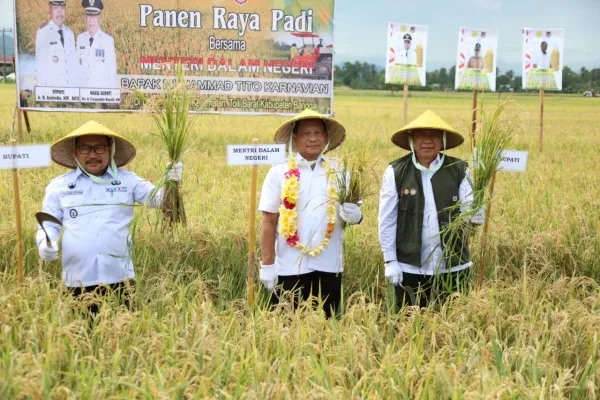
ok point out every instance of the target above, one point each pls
(24, 156)
(259, 154)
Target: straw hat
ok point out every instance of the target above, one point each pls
(428, 120)
(335, 130)
(63, 149)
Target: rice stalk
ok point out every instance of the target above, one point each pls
(350, 180)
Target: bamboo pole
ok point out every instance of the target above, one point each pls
(18, 227)
(405, 105)
(252, 234)
(541, 120)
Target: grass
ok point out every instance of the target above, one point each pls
(530, 332)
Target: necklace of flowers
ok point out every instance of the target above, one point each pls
(288, 212)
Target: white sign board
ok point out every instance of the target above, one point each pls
(406, 54)
(476, 59)
(513, 160)
(24, 156)
(250, 154)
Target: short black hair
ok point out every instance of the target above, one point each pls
(108, 139)
(295, 128)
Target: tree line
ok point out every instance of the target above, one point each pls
(363, 75)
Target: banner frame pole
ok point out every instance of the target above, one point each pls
(541, 138)
(405, 105)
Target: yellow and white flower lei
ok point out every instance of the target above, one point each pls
(288, 212)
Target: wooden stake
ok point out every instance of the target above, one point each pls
(541, 120)
(405, 112)
(19, 126)
(474, 118)
(27, 124)
(486, 225)
(252, 234)
(17, 192)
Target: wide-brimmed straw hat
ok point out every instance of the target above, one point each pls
(62, 151)
(428, 120)
(335, 131)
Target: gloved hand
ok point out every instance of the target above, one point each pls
(48, 253)
(350, 213)
(393, 273)
(175, 172)
(268, 276)
(479, 217)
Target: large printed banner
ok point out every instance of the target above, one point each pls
(543, 51)
(241, 56)
(476, 59)
(406, 54)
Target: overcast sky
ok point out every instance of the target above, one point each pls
(360, 27)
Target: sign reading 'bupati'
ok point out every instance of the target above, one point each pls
(240, 56)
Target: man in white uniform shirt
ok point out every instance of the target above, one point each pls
(419, 196)
(407, 55)
(55, 54)
(95, 202)
(542, 58)
(96, 50)
(301, 234)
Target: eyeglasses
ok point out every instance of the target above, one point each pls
(98, 149)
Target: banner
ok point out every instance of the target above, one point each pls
(406, 54)
(476, 59)
(543, 51)
(239, 56)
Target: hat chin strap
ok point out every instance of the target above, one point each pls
(421, 167)
(113, 167)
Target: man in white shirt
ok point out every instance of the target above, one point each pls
(96, 49)
(542, 58)
(420, 194)
(407, 56)
(94, 203)
(55, 55)
(301, 234)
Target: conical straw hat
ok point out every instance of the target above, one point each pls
(62, 151)
(335, 131)
(428, 120)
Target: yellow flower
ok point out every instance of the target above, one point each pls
(331, 211)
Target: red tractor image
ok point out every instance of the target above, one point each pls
(318, 56)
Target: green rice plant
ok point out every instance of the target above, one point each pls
(173, 123)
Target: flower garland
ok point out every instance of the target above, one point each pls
(288, 213)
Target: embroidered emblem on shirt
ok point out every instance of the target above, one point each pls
(120, 189)
(115, 183)
(73, 213)
(454, 198)
(72, 185)
(406, 192)
(71, 193)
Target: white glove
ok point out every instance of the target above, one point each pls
(479, 217)
(175, 172)
(350, 213)
(393, 273)
(48, 253)
(268, 276)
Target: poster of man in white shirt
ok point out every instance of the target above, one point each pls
(55, 57)
(406, 58)
(542, 58)
(96, 50)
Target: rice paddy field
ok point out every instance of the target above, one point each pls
(531, 330)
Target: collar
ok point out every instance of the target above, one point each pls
(108, 174)
(301, 161)
(56, 27)
(97, 34)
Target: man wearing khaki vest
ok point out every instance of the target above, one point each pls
(421, 193)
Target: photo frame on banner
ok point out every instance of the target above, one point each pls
(406, 61)
(246, 57)
(543, 51)
(476, 59)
